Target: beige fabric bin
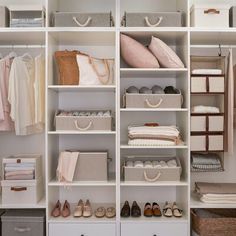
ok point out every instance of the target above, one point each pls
(207, 123)
(207, 84)
(210, 142)
(153, 174)
(35, 159)
(153, 100)
(92, 166)
(4, 16)
(27, 192)
(83, 123)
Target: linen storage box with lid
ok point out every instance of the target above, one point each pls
(210, 15)
(76, 19)
(22, 180)
(84, 121)
(232, 16)
(155, 19)
(213, 222)
(135, 100)
(23, 222)
(207, 74)
(4, 16)
(92, 166)
(27, 16)
(152, 174)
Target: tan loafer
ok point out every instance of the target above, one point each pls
(79, 209)
(87, 212)
(110, 212)
(167, 210)
(56, 212)
(100, 212)
(176, 211)
(66, 209)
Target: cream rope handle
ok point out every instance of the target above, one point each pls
(151, 179)
(153, 25)
(106, 74)
(80, 24)
(83, 129)
(154, 106)
(22, 230)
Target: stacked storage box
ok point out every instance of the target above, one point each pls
(22, 180)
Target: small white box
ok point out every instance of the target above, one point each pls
(210, 15)
(207, 123)
(27, 192)
(34, 159)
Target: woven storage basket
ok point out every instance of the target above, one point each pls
(222, 225)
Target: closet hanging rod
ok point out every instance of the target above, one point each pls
(22, 46)
(213, 46)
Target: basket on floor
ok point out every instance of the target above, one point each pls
(217, 222)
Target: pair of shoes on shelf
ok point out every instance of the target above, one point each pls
(135, 210)
(57, 211)
(170, 210)
(101, 212)
(152, 210)
(82, 209)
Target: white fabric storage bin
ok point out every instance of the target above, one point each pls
(154, 19)
(210, 15)
(91, 166)
(207, 142)
(154, 174)
(83, 123)
(27, 16)
(4, 16)
(34, 159)
(153, 100)
(204, 123)
(232, 17)
(76, 19)
(207, 84)
(27, 192)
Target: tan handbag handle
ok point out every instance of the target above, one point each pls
(80, 128)
(211, 11)
(18, 189)
(151, 179)
(100, 76)
(154, 105)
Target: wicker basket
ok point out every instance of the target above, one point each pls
(223, 224)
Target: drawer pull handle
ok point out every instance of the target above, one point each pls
(80, 128)
(151, 179)
(18, 189)
(153, 25)
(154, 105)
(211, 11)
(80, 24)
(22, 230)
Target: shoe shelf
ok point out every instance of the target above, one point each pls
(125, 146)
(82, 133)
(153, 110)
(68, 88)
(160, 183)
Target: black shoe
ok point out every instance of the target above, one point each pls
(125, 211)
(135, 210)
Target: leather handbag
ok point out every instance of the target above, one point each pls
(68, 70)
(95, 71)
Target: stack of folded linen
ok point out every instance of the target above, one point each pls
(206, 162)
(153, 135)
(205, 109)
(19, 171)
(218, 193)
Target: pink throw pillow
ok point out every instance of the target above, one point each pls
(165, 55)
(135, 54)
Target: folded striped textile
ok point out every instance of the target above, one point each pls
(150, 142)
(218, 198)
(20, 177)
(215, 188)
(19, 172)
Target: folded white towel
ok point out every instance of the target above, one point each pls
(138, 164)
(129, 163)
(163, 164)
(156, 164)
(207, 72)
(148, 164)
(172, 163)
(150, 142)
(205, 109)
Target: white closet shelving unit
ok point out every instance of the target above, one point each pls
(105, 42)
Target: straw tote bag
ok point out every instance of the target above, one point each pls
(95, 71)
(68, 70)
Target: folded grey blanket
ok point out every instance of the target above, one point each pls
(205, 159)
(216, 188)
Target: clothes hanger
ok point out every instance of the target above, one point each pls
(220, 51)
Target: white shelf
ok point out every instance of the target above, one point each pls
(196, 203)
(83, 183)
(68, 88)
(160, 73)
(125, 146)
(81, 29)
(154, 29)
(153, 110)
(41, 205)
(82, 133)
(156, 184)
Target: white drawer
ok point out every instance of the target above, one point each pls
(154, 229)
(74, 229)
